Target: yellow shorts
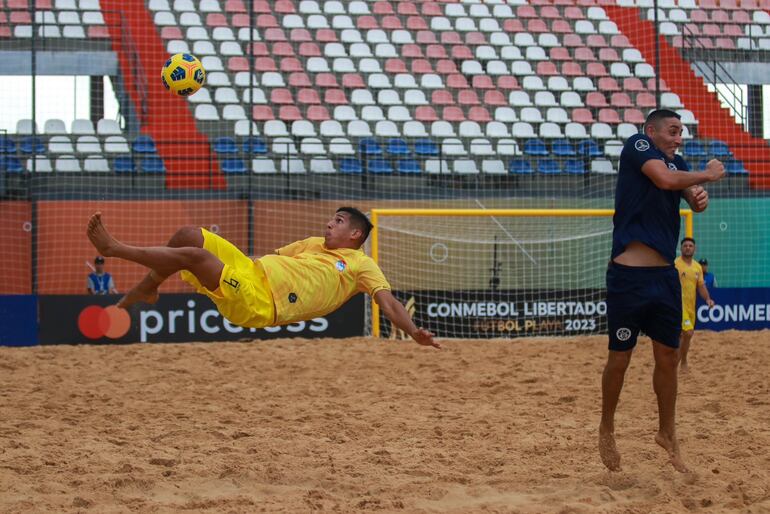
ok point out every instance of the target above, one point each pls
(243, 295)
(688, 320)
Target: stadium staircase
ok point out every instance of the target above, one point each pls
(714, 121)
(186, 151)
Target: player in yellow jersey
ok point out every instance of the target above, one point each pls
(303, 280)
(691, 278)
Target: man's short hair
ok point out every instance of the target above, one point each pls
(703, 262)
(688, 239)
(660, 114)
(358, 220)
(99, 260)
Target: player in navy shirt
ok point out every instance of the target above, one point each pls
(643, 290)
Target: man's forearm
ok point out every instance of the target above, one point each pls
(396, 313)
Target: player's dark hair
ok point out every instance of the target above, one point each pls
(660, 114)
(358, 220)
(687, 239)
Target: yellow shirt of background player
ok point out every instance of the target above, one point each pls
(690, 276)
(309, 280)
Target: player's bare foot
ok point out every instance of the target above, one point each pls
(97, 233)
(684, 369)
(608, 450)
(139, 293)
(671, 446)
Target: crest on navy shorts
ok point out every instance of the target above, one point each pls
(340, 265)
(623, 334)
(642, 145)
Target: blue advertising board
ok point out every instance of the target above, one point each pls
(18, 320)
(742, 308)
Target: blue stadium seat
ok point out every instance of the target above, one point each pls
(11, 164)
(575, 167)
(255, 145)
(535, 147)
(408, 166)
(425, 148)
(369, 146)
(562, 148)
(7, 145)
(548, 167)
(233, 166)
(350, 165)
(144, 144)
(590, 148)
(719, 149)
(379, 166)
(32, 145)
(735, 167)
(694, 148)
(521, 167)
(152, 164)
(124, 164)
(225, 145)
(397, 147)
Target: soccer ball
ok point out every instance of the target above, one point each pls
(183, 74)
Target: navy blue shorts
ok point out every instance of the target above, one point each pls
(646, 299)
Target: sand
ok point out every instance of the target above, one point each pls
(360, 425)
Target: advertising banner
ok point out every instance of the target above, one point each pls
(487, 314)
(72, 319)
(736, 308)
(18, 320)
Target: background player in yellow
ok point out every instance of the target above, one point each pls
(691, 278)
(303, 280)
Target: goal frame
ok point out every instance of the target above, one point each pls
(523, 213)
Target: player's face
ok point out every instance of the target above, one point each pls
(688, 249)
(667, 136)
(338, 231)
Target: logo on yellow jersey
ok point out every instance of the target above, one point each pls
(340, 265)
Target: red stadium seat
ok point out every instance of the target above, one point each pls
(609, 116)
(582, 115)
(367, 23)
(283, 49)
(507, 83)
(98, 32)
(634, 116)
(584, 54)
(436, 52)
(264, 64)
(453, 114)
(326, 80)
(326, 36)
(620, 41)
(475, 38)
(482, 82)
(265, 21)
(574, 13)
(284, 7)
(425, 113)
(382, 7)
(561, 27)
(596, 69)
(461, 52)
(441, 97)
(526, 11)
(274, 34)
(262, 113)
(494, 98)
(608, 55)
(289, 113)
(431, 9)
(446, 67)
(467, 97)
(559, 53)
(281, 96)
(259, 50)
(479, 114)
(261, 6)
(216, 19)
(235, 6)
(391, 23)
(416, 23)
(407, 9)
(450, 37)
(621, 99)
(240, 21)
(571, 69)
(546, 69)
(513, 26)
(308, 49)
(291, 64)
(318, 113)
(425, 37)
(411, 50)
(572, 41)
(550, 12)
(420, 66)
(353, 81)
(596, 41)
(308, 96)
(609, 84)
(335, 97)
(299, 79)
(300, 36)
(596, 99)
(395, 65)
(537, 26)
(238, 63)
(457, 81)
(645, 100)
(171, 33)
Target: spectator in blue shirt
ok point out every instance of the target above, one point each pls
(100, 282)
(708, 278)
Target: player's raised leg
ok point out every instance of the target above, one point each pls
(664, 381)
(612, 383)
(162, 260)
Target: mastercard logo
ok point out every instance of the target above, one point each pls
(95, 322)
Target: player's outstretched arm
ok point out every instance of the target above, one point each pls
(396, 313)
(672, 180)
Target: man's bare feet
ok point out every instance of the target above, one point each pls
(608, 450)
(671, 446)
(138, 294)
(97, 233)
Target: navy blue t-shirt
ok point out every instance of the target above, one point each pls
(643, 212)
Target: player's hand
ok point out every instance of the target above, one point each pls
(715, 169)
(710, 303)
(699, 198)
(425, 338)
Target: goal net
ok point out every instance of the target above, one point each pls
(474, 273)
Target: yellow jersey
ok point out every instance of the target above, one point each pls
(308, 280)
(690, 276)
